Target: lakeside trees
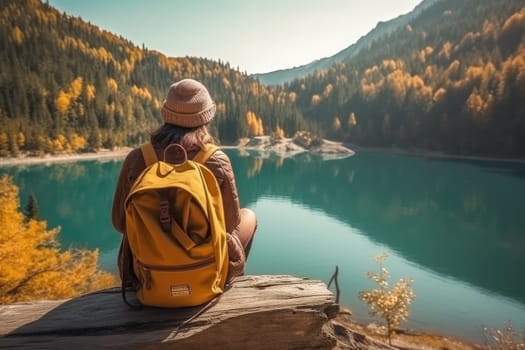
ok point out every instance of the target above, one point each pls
(34, 265)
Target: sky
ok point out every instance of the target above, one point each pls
(256, 36)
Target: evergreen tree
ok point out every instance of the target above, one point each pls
(32, 211)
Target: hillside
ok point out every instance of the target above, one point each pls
(69, 86)
(451, 80)
(448, 77)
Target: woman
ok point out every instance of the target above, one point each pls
(187, 111)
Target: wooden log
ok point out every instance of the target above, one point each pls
(257, 312)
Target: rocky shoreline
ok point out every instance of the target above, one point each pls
(285, 147)
(289, 147)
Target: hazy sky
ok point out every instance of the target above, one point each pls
(255, 35)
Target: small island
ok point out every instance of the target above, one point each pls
(301, 142)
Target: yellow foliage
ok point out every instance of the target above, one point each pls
(255, 88)
(221, 107)
(422, 55)
(62, 102)
(372, 82)
(328, 90)
(399, 82)
(490, 73)
(112, 84)
(480, 108)
(445, 50)
(90, 92)
(17, 35)
(60, 144)
(490, 29)
(429, 72)
(260, 128)
(65, 98)
(316, 99)
(516, 22)
(474, 72)
(475, 102)
(389, 64)
(100, 53)
(226, 83)
(104, 55)
(439, 94)
(512, 74)
(389, 304)
(141, 92)
(21, 139)
(77, 142)
(279, 132)
(255, 124)
(33, 265)
(76, 88)
(292, 96)
(453, 68)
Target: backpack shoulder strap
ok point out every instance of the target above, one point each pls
(205, 153)
(148, 152)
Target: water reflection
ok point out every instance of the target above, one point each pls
(74, 196)
(449, 217)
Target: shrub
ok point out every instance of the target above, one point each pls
(504, 339)
(389, 304)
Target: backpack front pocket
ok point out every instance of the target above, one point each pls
(176, 286)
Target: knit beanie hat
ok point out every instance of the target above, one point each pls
(188, 104)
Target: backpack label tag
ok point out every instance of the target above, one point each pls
(180, 290)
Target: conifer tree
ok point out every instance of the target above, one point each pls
(31, 212)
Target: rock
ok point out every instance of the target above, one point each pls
(257, 312)
(289, 147)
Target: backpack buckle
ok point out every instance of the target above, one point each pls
(165, 215)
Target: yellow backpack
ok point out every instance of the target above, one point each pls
(176, 232)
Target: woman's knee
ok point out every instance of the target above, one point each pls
(247, 226)
(249, 217)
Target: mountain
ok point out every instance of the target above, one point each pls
(451, 80)
(382, 29)
(449, 77)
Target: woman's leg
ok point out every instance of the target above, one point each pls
(247, 228)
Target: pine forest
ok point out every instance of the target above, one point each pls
(452, 81)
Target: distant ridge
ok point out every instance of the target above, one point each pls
(382, 29)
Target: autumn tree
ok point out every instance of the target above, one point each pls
(389, 304)
(33, 265)
(255, 124)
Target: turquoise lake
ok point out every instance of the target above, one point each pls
(456, 227)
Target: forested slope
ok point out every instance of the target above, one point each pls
(68, 86)
(452, 80)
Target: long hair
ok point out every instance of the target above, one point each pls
(189, 138)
